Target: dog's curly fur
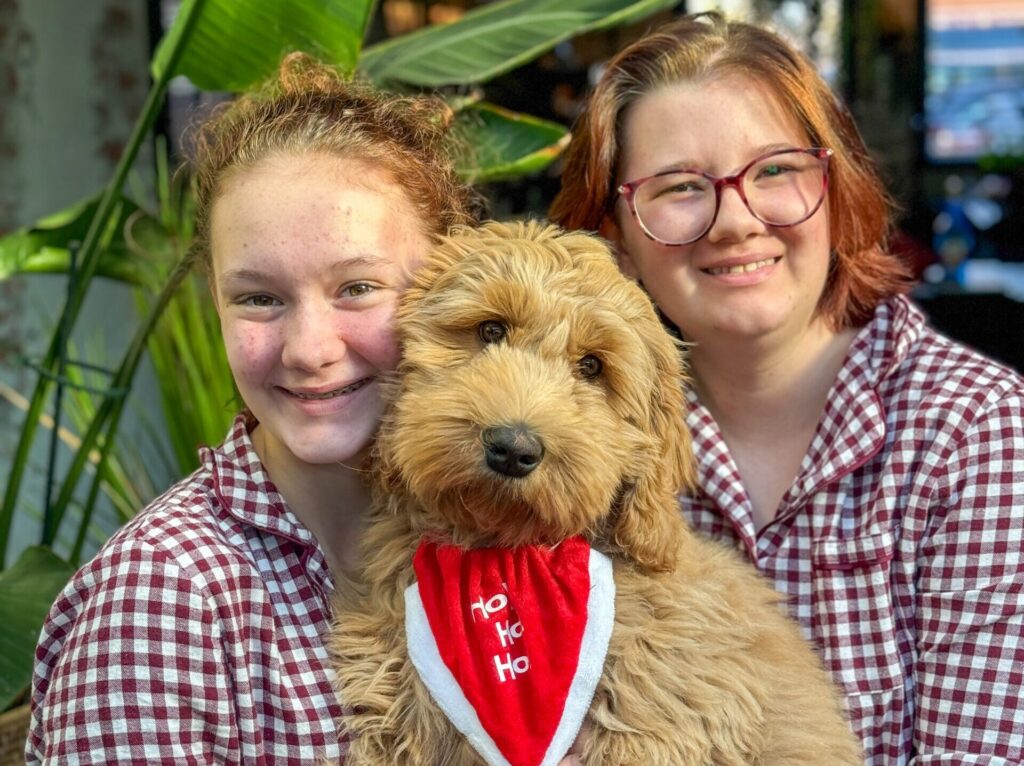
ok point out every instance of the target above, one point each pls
(702, 667)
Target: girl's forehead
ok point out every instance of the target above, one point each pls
(702, 101)
(719, 119)
(274, 217)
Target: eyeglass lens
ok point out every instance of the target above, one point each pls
(780, 190)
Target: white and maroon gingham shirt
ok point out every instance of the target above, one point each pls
(901, 542)
(196, 634)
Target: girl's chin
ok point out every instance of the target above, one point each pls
(323, 444)
(350, 453)
(751, 326)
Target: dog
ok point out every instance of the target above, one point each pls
(539, 400)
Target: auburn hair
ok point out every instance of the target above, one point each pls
(310, 108)
(862, 272)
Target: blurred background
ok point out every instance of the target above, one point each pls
(937, 87)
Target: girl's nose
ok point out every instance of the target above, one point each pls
(314, 340)
(734, 220)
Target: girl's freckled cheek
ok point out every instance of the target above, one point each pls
(248, 351)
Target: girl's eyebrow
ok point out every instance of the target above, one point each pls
(243, 275)
(683, 164)
(691, 164)
(257, 275)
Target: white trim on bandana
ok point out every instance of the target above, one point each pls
(600, 619)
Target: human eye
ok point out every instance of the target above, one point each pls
(774, 170)
(677, 186)
(256, 300)
(357, 289)
(782, 165)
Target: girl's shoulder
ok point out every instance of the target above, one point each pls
(182, 540)
(939, 372)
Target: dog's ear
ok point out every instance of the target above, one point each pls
(649, 523)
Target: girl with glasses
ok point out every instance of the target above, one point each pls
(870, 467)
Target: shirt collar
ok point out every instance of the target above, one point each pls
(852, 427)
(244, 488)
(884, 343)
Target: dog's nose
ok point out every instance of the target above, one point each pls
(513, 450)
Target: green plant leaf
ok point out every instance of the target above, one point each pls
(127, 489)
(27, 589)
(196, 387)
(236, 44)
(97, 241)
(494, 39)
(43, 247)
(496, 144)
(103, 427)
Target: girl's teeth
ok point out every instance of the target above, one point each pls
(743, 268)
(331, 394)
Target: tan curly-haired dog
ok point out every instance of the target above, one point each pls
(523, 325)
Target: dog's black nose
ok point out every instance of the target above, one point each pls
(513, 450)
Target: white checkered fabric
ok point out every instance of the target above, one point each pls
(195, 635)
(900, 545)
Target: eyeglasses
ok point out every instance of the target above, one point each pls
(780, 188)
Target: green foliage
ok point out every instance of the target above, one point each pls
(498, 144)
(124, 481)
(27, 589)
(494, 39)
(227, 45)
(238, 44)
(98, 240)
(43, 247)
(196, 389)
(1006, 162)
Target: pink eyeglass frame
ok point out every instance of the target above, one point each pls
(628, 190)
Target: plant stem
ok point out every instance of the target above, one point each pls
(90, 255)
(111, 410)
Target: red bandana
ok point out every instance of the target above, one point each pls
(511, 642)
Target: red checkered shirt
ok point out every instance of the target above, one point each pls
(195, 635)
(901, 542)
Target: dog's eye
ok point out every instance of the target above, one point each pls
(589, 366)
(491, 331)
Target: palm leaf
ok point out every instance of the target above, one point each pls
(236, 44)
(496, 144)
(43, 246)
(27, 589)
(494, 39)
(97, 241)
(196, 387)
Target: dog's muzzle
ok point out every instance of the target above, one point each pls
(512, 451)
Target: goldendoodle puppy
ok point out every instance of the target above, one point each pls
(535, 442)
